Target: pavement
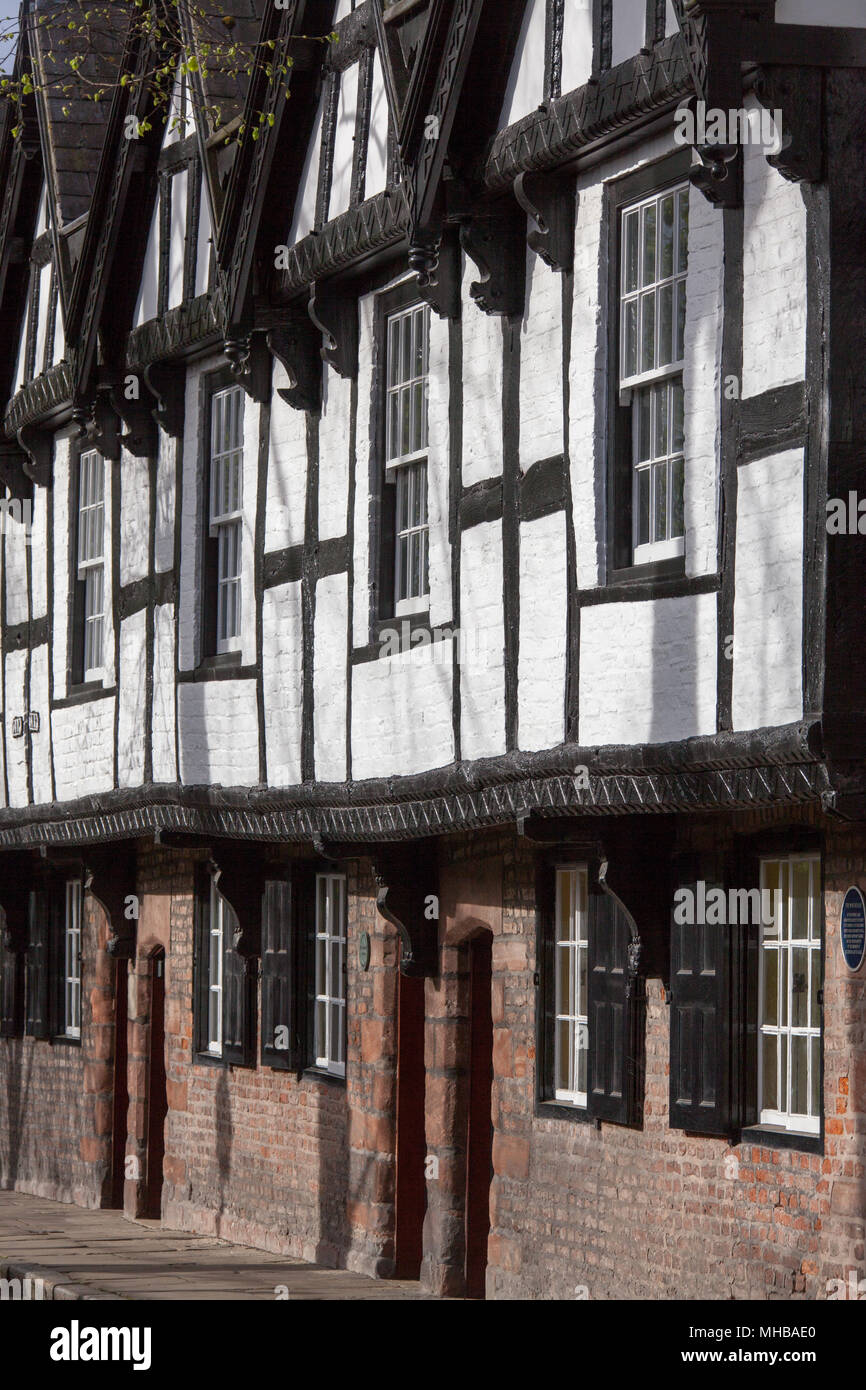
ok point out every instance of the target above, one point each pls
(89, 1255)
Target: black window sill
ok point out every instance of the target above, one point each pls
(767, 1137)
(209, 1059)
(84, 691)
(61, 1040)
(317, 1074)
(380, 644)
(560, 1110)
(224, 667)
(666, 579)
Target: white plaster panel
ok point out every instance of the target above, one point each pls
(334, 455)
(482, 622)
(145, 307)
(541, 403)
(847, 13)
(60, 577)
(376, 178)
(401, 712)
(482, 387)
(44, 311)
(768, 593)
(304, 218)
(164, 710)
(287, 470)
(83, 742)
(177, 238)
(629, 29)
(15, 560)
(38, 550)
(344, 143)
(543, 633)
(774, 276)
(218, 733)
(363, 446)
(203, 246)
(16, 748)
(576, 44)
(330, 678)
(588, 381)
(40, 744)
(166, 499)
(438, 473)
(282, 682)
(132, 693)
(702, 383)
(648, 671)
(525, 89)
(134, 514)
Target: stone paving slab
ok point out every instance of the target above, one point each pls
(88, 1255)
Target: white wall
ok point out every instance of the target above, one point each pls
(648, 671)
(543, 633)
(482, 621)
(344, 144)
(40, 743)
(629, 29)
(334, 455)
(330, 678)
(525, 88)
(844, 12)
(377, 147)
(576, 44)
(304, 216)
(482, 387)
(774, 277)
(768, 593)
(83, 743)
(218, 733)
(164, 708)
(132, 694)
(401, 712)
(541, 403)
(282, 677)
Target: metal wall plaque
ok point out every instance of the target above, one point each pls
(364, 951)
(852, 929)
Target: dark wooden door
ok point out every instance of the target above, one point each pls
(479, 1144)
(157, 1103)
(411, 1187)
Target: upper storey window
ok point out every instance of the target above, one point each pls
(225, 517)
(654, 251)
(406, 451)
(91, 565)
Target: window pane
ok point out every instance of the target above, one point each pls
(630, 333)
(682, 231)
(582, 1047)
(815, 1091)
(679, 346)
(582, 962)
(564, 1035)
(677, 498)
(644, 437)
(799, 987)
(769, 1063)
(666, 266)
(770, 1001)
(393, 351)
(660, 471)
(677, 415)
(564, 1001)
(799, 1076)
(666, 325)
(649, 245)
(643, 505)
(631, 252)
(648, 331)
(800, 899)
(661, 421)
(815, 986)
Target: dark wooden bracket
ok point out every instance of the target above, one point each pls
(551, 203)
(719, 179)
(407, 876)
(333, 309)
(102, 429)
(137, 414)
(296, 345)
(436, 262)
(38, 445)
(109, 874)
(165, 381)
(13, 474)
(243, 871)
(799, 94)
(250, 362)
(496, 242)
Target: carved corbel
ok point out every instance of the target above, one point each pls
(109, 874)
(242, 875)
(551, 203)
(13, 475)
(407, 878)
(248, 358)
(798, 93)
(333, 309)
(165, 381)
(495, 241)
(436, 262)
(137, 414)
(296, 346)
(38, 445)
(102, 429)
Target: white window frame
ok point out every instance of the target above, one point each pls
(72, 959)
(407, 467)
(571, 937)
(331, 932)
(90, 559)
(216, 930)
(225, 512)
(776, 937)
(636, 386)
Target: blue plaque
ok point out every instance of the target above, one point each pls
(852, 930)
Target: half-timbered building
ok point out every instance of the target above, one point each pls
(421, 635)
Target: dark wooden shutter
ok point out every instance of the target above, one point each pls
(238, 997)
(700, 1062)
(613, 1062)
(11, 992)
(279, 1041)
(201, 958)
(57, 958)
(545, 899)
(37, 967)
